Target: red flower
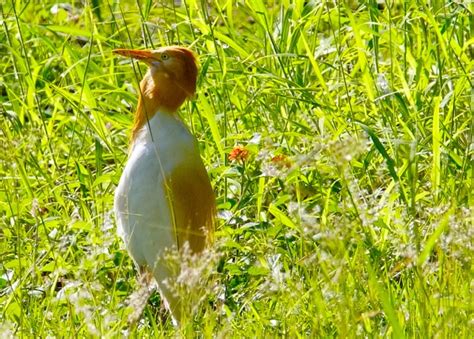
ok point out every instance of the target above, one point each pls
(238, 153)
(281, 161)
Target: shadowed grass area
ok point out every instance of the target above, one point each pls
(338, 137)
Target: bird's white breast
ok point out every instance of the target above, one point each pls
(143, 215)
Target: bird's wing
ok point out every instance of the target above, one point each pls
(193, 204)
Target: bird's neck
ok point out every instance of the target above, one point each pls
(158, 93)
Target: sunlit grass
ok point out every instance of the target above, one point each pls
(338, 137)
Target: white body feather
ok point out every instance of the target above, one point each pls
(142, 208)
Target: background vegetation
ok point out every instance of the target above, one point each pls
(338, 136)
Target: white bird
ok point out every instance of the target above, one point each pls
(164, 198)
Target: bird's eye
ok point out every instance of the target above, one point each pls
(164, 56)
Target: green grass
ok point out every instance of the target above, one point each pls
(351, 216)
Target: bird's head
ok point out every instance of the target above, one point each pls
(176, 66)
(169, 81)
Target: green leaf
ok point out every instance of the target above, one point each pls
(258, 270)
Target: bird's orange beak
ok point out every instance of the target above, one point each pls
(142, 55)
